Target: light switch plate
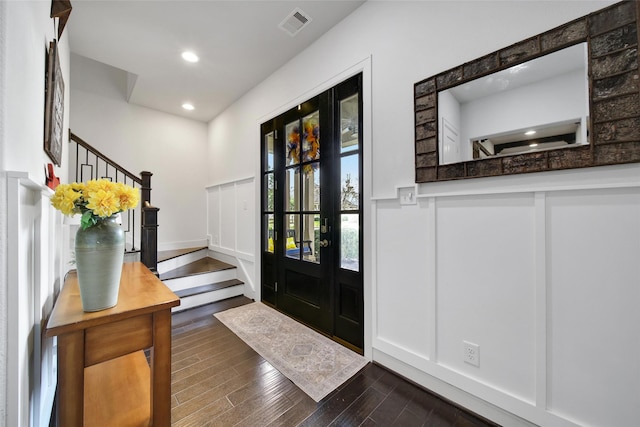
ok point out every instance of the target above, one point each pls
(408, 195)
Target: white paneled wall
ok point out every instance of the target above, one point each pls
(485, 288)
(245, 214)
(230, 227)
(593, 270)
(402, 245)
(228, 212)
(34, 238)
(544, 278)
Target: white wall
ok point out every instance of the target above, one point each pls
(142, 139)
(30, 247)
(536, 269)
(3, 221)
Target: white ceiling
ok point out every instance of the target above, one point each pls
(239, 43)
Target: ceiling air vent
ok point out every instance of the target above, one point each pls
(293, 23)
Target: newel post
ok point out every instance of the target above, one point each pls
(145, 195)
(149, 233)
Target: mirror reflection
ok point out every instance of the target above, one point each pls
(537, 105)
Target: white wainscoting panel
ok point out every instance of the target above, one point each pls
(34, 237)
(485, 288)
(213, 215)
(543, 274)
(231, 209)
(594, 317)
(245, 214)
(402, 292)
(228, 213)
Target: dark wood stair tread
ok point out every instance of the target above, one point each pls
(207, 288)
(201, 266)
(175, 253)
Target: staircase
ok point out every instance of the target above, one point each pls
(191, 273)
(197, 278)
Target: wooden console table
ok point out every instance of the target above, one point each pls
(103, 375)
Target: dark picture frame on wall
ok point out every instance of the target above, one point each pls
(54, 106)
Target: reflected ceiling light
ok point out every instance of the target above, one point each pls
(188, 106)
(530, 132)
(190, 56)
(535, 144)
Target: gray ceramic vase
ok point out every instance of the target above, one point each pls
(99, 257)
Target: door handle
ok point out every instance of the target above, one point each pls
(324, 243)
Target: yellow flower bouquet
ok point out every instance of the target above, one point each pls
(94, 200)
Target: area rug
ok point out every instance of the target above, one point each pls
(310, 360)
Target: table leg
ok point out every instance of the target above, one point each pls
(161, 369)
(71, 379)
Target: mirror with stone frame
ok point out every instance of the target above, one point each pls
(610, 128)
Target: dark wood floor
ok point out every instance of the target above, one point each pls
(217, 380)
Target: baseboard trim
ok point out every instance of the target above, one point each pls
(449, 392)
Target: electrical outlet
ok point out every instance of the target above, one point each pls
(471, 353)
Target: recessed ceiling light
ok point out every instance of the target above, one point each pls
(190, 56)
(530, 132)
(188, 106)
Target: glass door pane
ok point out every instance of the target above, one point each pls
(269, 153)
(311, 137)
(292, 141)
(349, 127)
(350, 242)
(311, 185)
(270, 235)
(292, 231)
(349, 184)
(293, 184)
(269, 192)
(311, 239)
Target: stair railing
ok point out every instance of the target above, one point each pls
(89, 163)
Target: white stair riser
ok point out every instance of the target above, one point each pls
(187, 282)
(209, 297)
(173, 263)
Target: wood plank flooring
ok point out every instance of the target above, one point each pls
(218, 380)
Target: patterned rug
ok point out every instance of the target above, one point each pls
(312, 361)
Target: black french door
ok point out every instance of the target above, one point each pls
(311, 213)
